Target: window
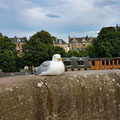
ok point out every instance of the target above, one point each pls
(67, 63)
(72, 69)
(93, 63)
(115, 61)
(18, 45)
(83, 44)
(111, 62)
(80, 62)
(107, 62)
(103, 62)
(119, 62)
(74, 44)
(60, 41)
(18, 40)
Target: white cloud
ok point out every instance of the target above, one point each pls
(77, 17)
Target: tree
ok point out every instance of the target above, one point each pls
(91, 51)
(43, 36)
(83, 53)
(8, 55)
(108, 42)
(59, 50)
(51, 51)
(73, 53)
(6, 44)
(8, 61)
(35, 52)
(0, 35)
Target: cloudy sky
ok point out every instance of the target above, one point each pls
(59, 17)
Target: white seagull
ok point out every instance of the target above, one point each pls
(54, 67)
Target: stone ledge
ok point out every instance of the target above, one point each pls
(88, 95)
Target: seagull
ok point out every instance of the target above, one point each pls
(54, 67)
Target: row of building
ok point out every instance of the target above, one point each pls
(85, 63)
(73, 43)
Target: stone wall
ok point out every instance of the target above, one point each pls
(88, 95)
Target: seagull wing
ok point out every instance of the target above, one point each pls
(43, 67)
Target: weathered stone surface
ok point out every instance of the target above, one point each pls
(88, 95)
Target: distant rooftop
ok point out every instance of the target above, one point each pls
(17, 39)
(81, 38)
(59, 41)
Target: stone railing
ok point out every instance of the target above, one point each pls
(88, 95)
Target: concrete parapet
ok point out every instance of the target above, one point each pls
(85, 95)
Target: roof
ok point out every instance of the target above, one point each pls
(80, 39)
(74, 62)
(97, 59)
(59, 41)
(17, 40)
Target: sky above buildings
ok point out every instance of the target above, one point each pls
(60, 18)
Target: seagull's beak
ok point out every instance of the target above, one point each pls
(59, 59)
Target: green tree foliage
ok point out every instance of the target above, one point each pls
(8, 55)
(83, 53)
(43, 36)
(35, 52)
(91, 51)
(8, 61)
(0, 35)
(75, 53)
(6, 44)
(51, 51)
(59, 50)
(107, 44)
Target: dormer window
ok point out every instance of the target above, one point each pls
(67, 62)
(80, 62)
(60, 41)
(18, 40)
(83, 44)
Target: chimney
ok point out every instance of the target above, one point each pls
(69, 39)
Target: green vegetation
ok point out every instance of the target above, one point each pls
(43, 37)
(60, 50)
(107, 44)
(8, 55)
(75, 53)
(0, 35)
(35, 52)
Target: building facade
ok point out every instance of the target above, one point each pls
(104, 63)
(19, 43)
(79, 43)
(79, 64)
(61, 43)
